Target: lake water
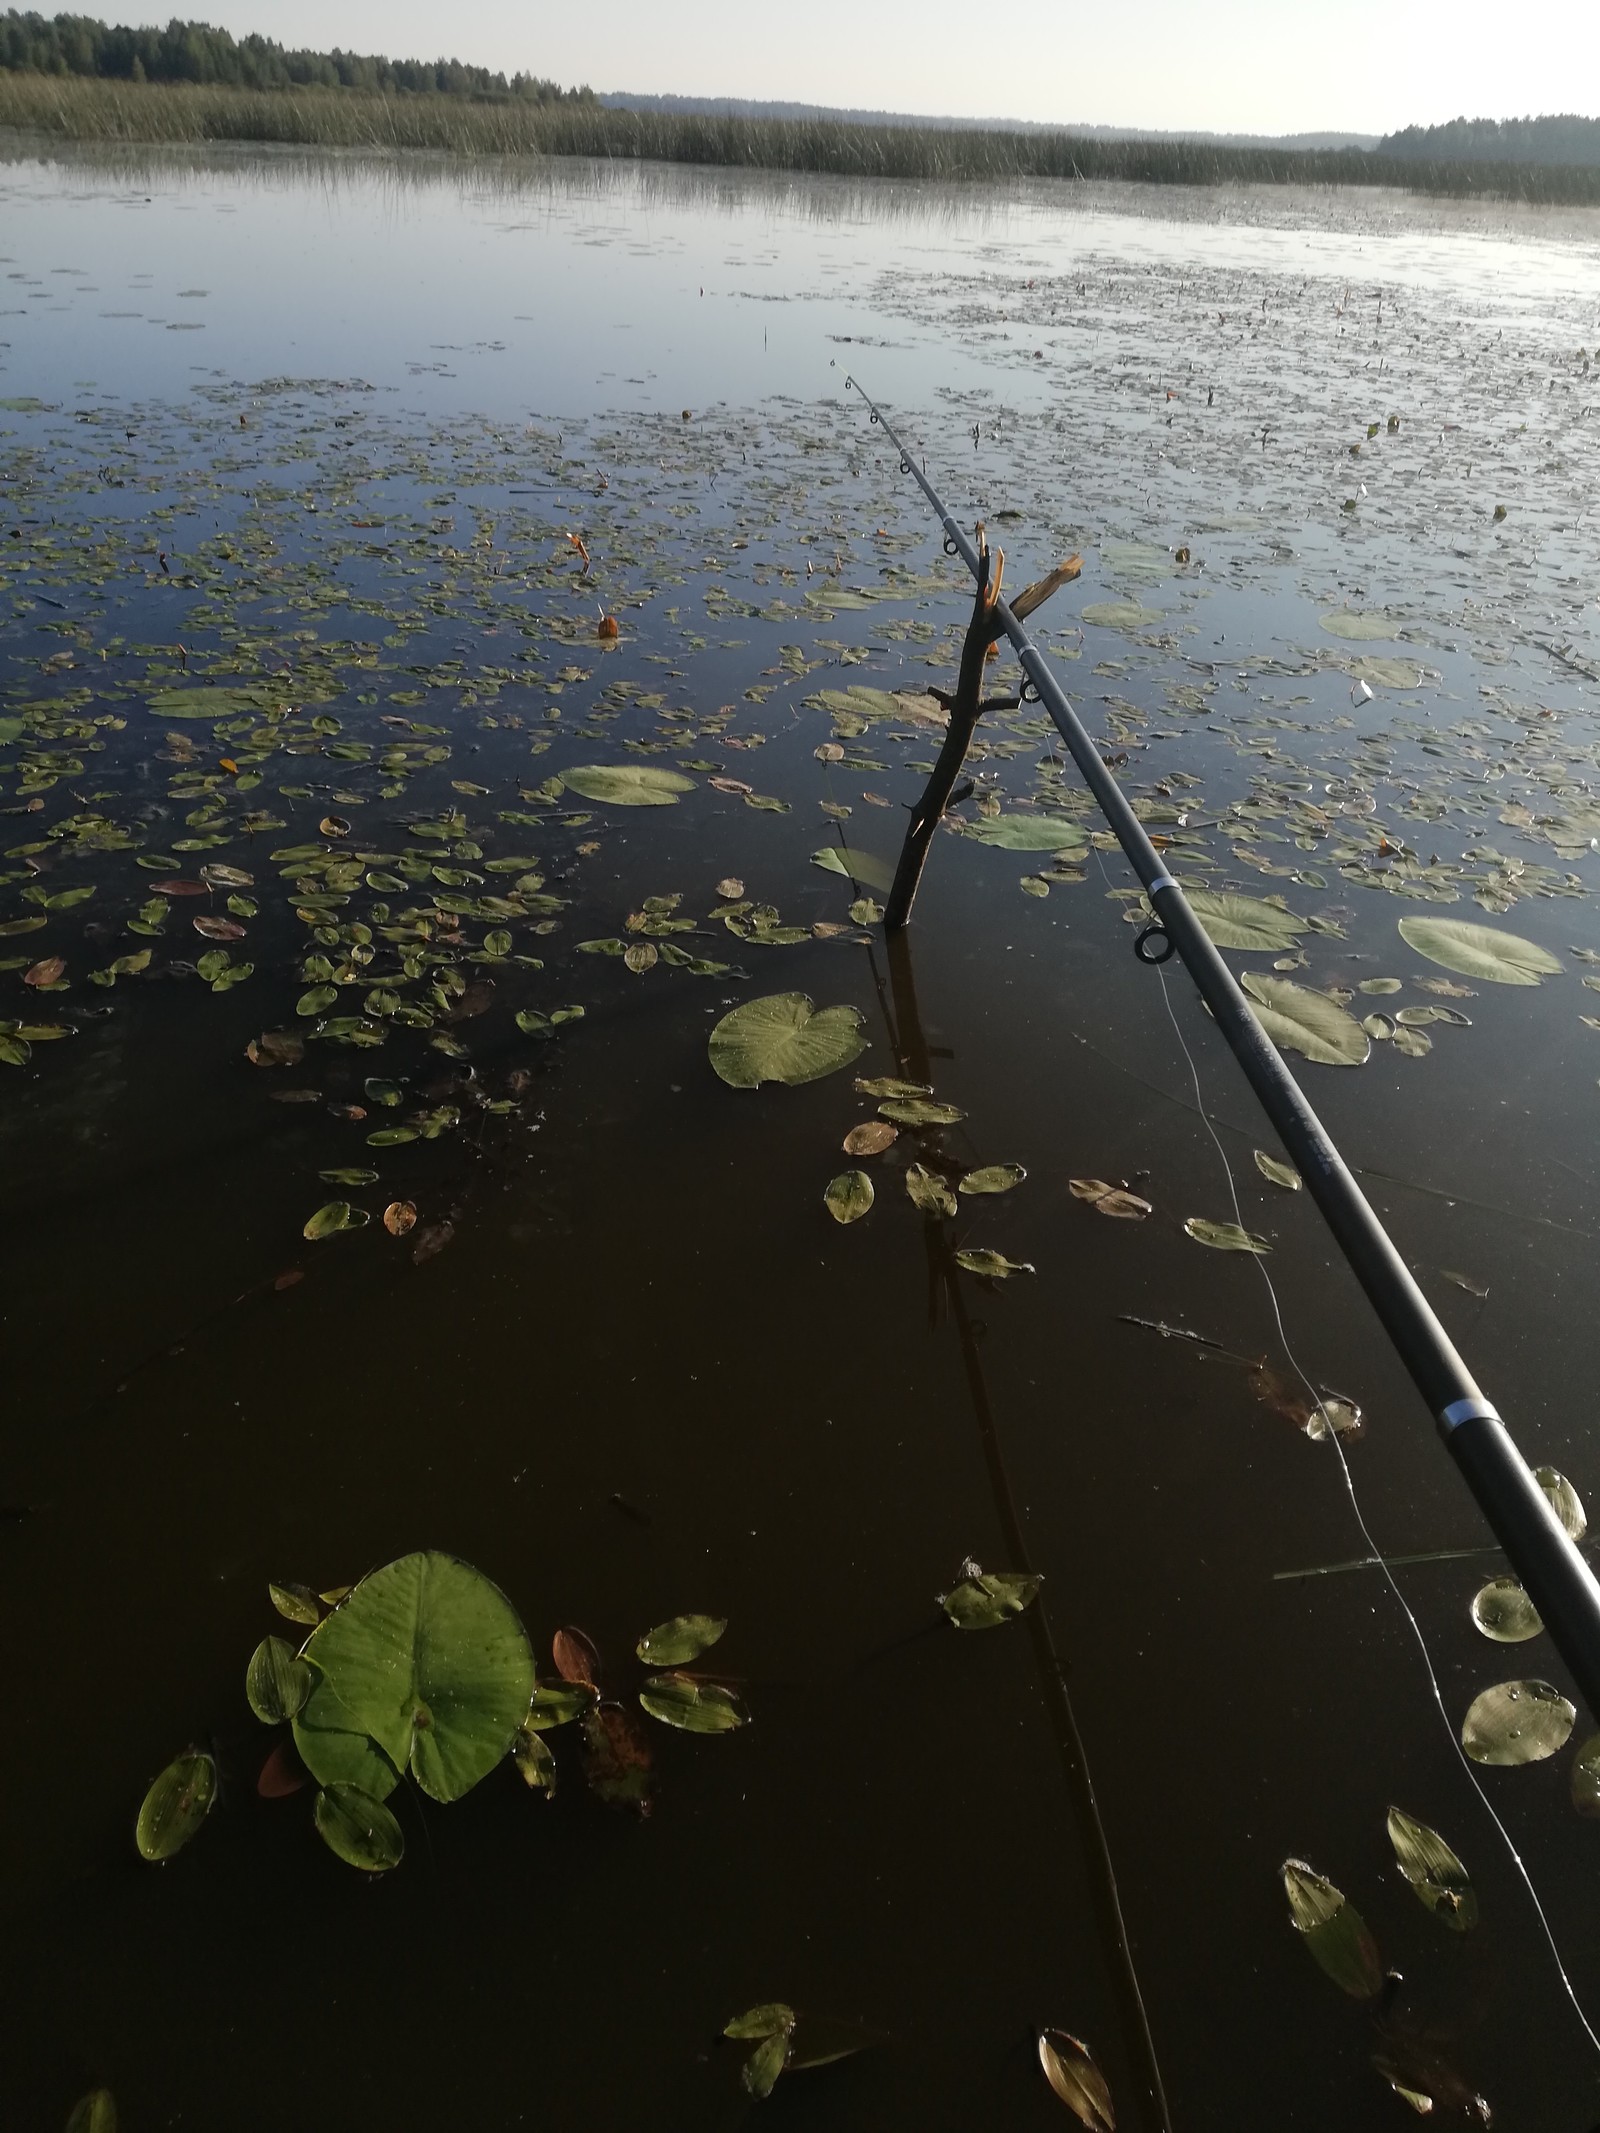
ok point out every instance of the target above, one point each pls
(371, 449)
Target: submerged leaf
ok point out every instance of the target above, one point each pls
(1334, 1930)
(784, 1037)
(617, 1758)
(986, 1599)
(684, 1638)
(1479, 951)
(1442, 1883)
(175, 1806)
(849, 1196)
(1112, 1200)
(1517, 1722)
(358, 1829)
(1069, 2067)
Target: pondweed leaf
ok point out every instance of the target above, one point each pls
(617, 1761)
(1334, 1930)
(1224, 1236)
(1517, 1722)
(1442, 1883)
(1479, 951)
(1277, 1173)
(557, 1703)
(853, 865)
(1069, 2067)
(331, 1219)
(1112, 1200)
(94, 2113)
(994, 1177)
(692, 1706)
(890, 1085)
(575, 1656)
(849, 1196)
(399, 1217)
(276, 1682)
(985, 1599)
(784, 1037)
(1503, 1611)
(871, 1137)
(929, 1192)
(771, 2019)
(991, 1265)
(920, 1111)
(684, 1638)
(175, 1806)
(296, 1603)
(358, 1829)
(536, 1766)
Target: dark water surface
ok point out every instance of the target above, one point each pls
(626, 1363)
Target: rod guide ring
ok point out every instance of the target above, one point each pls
(1153, 943)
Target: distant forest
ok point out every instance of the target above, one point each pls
(194, 52)
(1564, 140)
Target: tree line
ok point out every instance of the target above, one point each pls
(1559, 139)
(194, 52)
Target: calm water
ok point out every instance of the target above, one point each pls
(321, 432)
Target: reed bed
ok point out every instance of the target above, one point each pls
(84, 109)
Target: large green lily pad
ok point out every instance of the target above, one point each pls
(427, 1659)
(1479, 951)
(1029, 833)
(1297, 1019)
(1245, 921)
(627, 784)
(215, 703)
(784, 1037)
(1352, 624)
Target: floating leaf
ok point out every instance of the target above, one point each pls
(175, 1806)
(871, 1137)
(684, 1638)
(986, 1599)
(890, 1085)
(849, 1196)
(853, 865)
(991, 1265)
(1111, 1200)
(536, 1766)
(784, 1037)
(1442, 1883)
(920, 1111)
(1479, 951)
(1517, 1722)
(693, 1706)
(557, 1703)
(1362, 628)
(1277, 1173)
(1586, 1777)
(330, 1220)
(358, 1829)
(1069, 2067)
(617, 1758)
(1503, 1611)
(575, 1656)
(1224, 1236)
(929, 1192)
(1564, 1500)
(1029, 833)
(276, 1683)
(399, 1217)
(1334, 1930)
(627, 784)
(429, 1659)
(994, 1177)
(1300, 1020)
(96, 2112)
(1244, 921)
(296, 1603)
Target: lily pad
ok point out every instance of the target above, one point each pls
(1245, 921)
(1504, 1613)
(1120, 615)
(1029, 833)
(1334, 1930)
(986, 1599)
(175, 1806)
(784, 1037)
(358, 1829)
(1357, 627)
(215, 703)
(693, 1706)
(627, 784)
(429, 1659)
(849, 1196)
(1442, 1883)
(1300, 1020)
(853, 865)
(1069, 2067)
(1386, 673)
(684, 1638)
(1517, 1722)
(1479, 951)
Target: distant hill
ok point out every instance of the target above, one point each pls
(1567, 140)
(748, 107)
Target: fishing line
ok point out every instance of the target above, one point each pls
(1318, 1407)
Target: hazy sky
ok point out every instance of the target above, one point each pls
(1258, 66)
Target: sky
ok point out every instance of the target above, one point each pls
(1236, 66)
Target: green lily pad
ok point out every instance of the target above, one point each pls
(1334, 1930)
(1357, 627)
(1479, 951)
(627, 784)
(1244, 921)
(849, 1196)
(214, 703)
(1517, 1722)
(358, 1829)
(985, 1599)
(1029, 833)
(335, 1749)
(693, 1706)
(853, 865)
(1442, 1883)
(175, 1806)
(784, 1037)
(1386, 673)
(1300, 1020)
(276, 1682)
(684, 1638)
(1120, 615)
(428, 1658)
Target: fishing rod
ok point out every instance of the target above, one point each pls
(1555, 1575)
